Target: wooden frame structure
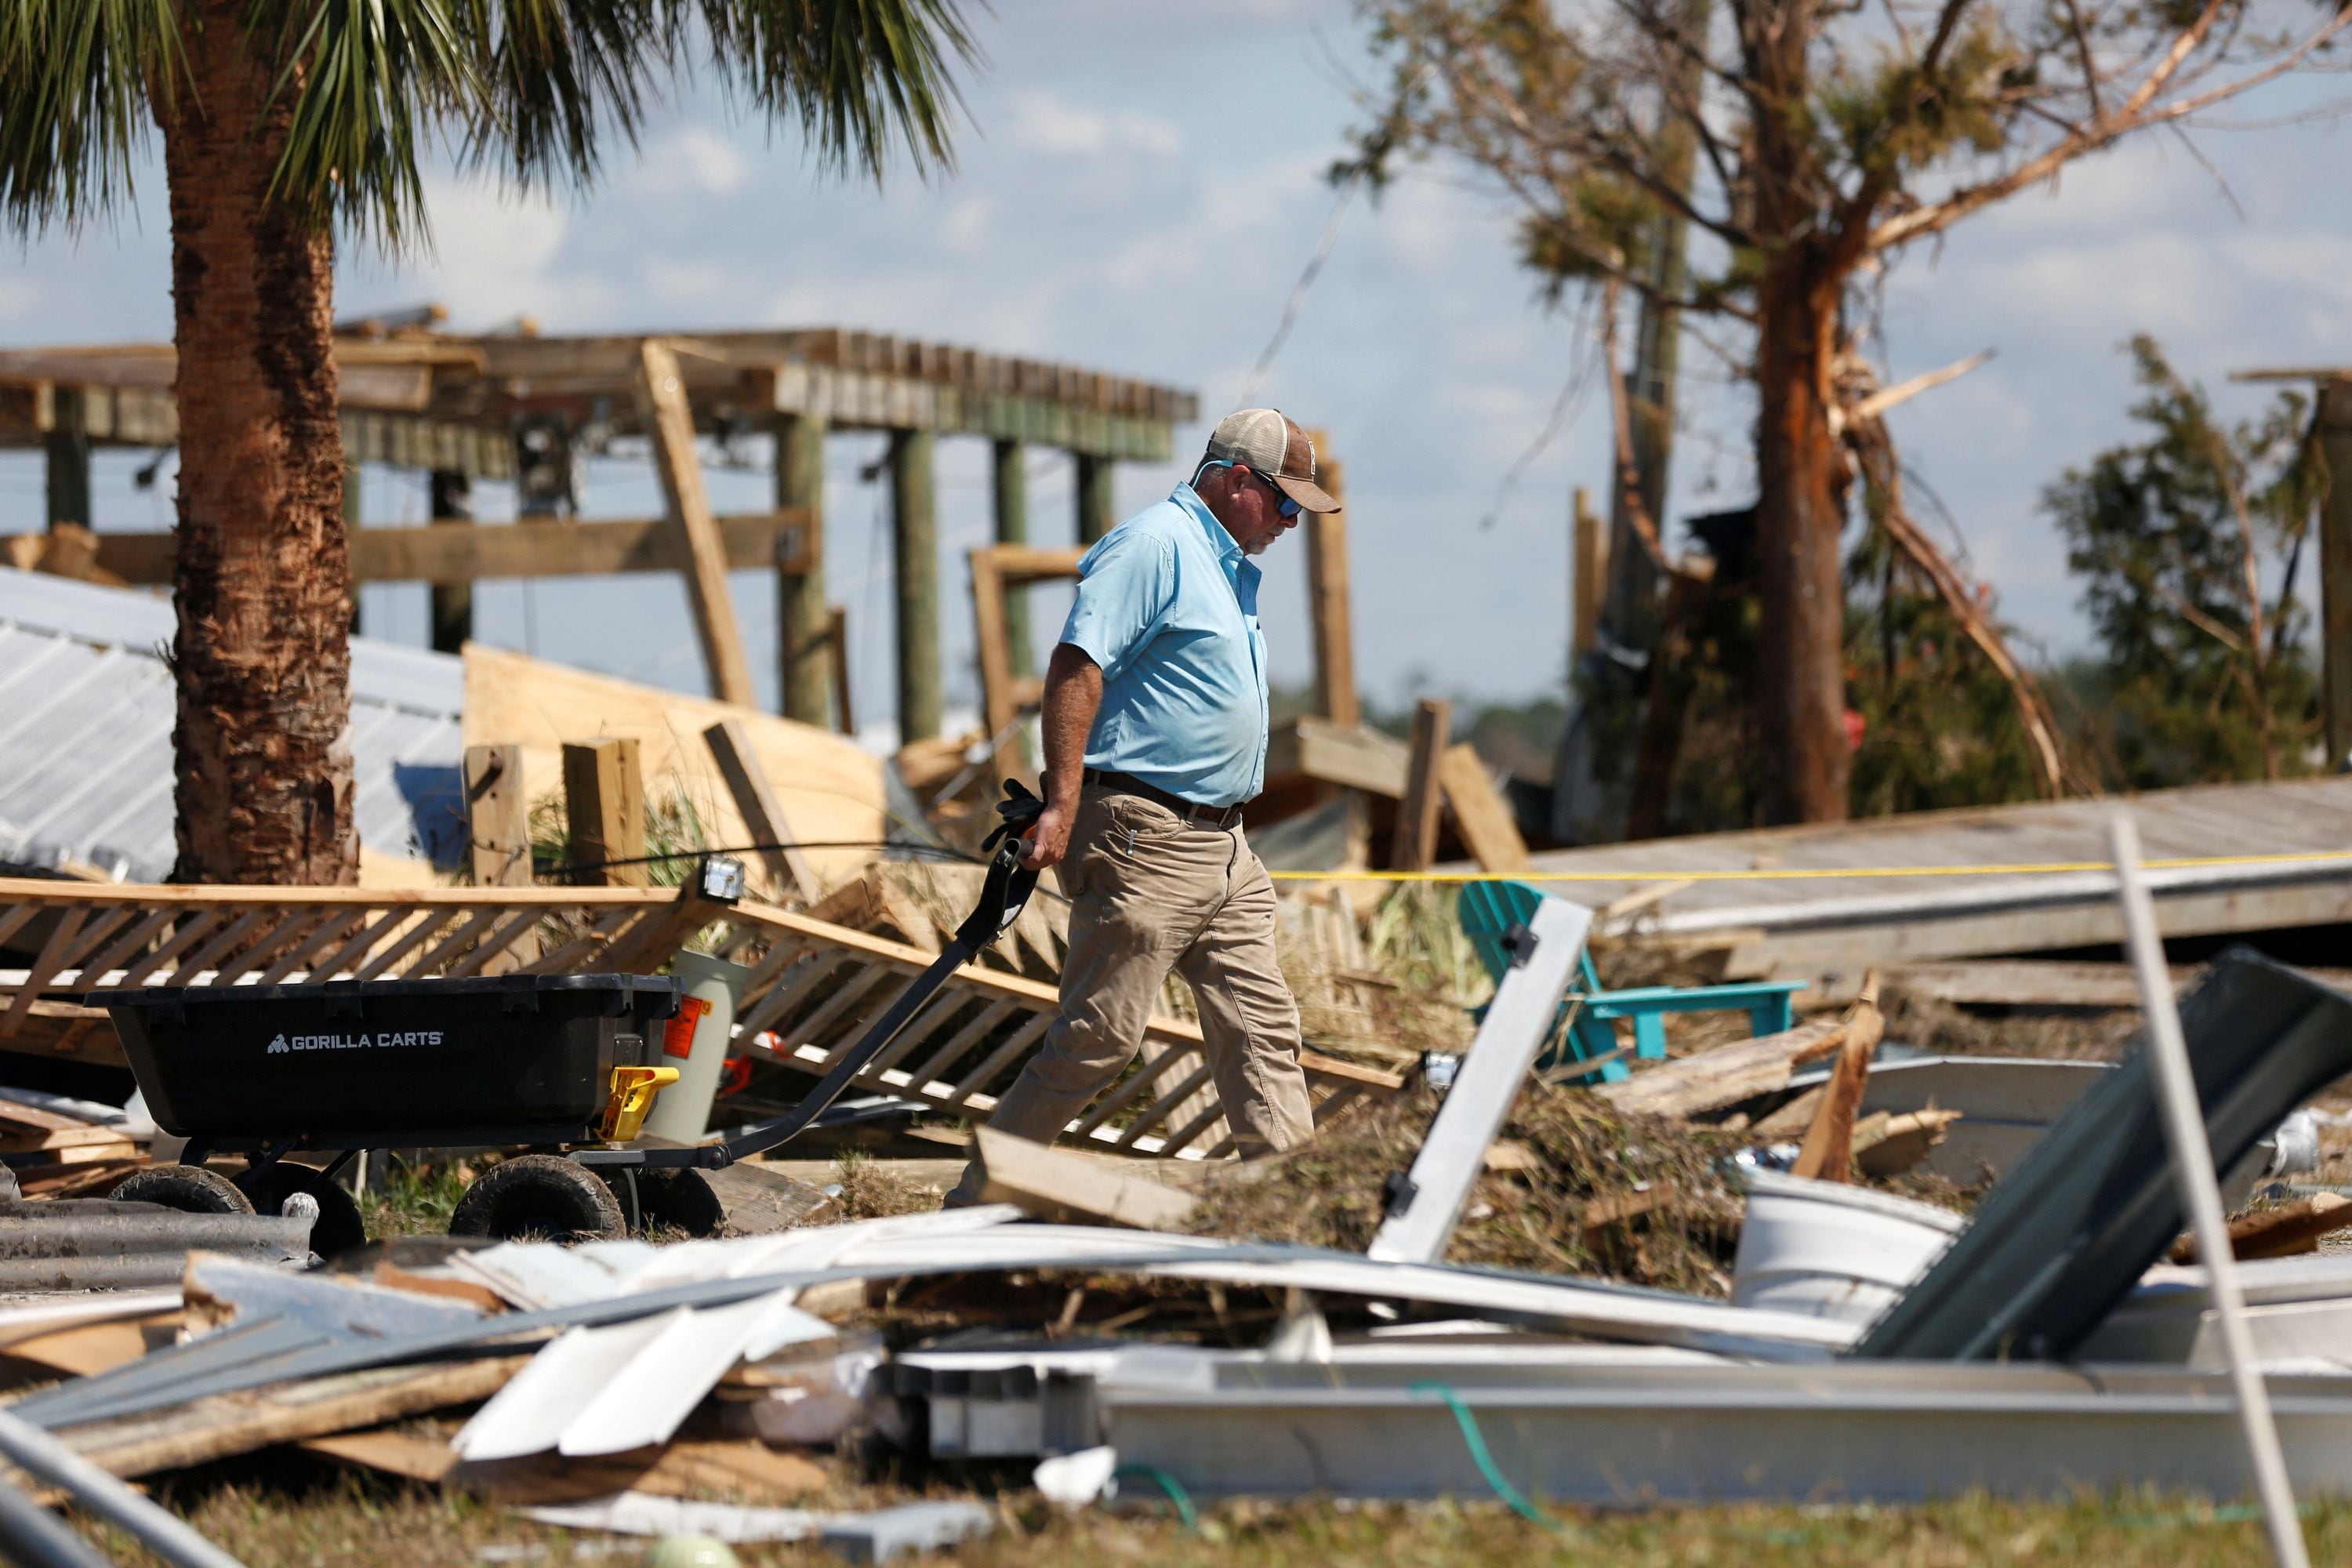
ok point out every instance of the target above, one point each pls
(510, 408)
(812, 985)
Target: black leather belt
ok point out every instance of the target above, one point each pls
(1217, 816)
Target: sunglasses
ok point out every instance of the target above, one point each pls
(1289, 504)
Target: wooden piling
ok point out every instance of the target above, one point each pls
(803, 619)
(915, 541)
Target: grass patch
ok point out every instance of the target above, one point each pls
(349, 1520)
(414, 1200)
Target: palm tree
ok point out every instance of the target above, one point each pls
(284, 121)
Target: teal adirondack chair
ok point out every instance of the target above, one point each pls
(1489, 911)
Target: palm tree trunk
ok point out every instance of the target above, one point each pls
(261, 750)
(1799, 514)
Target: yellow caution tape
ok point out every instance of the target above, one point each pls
(1817, 873)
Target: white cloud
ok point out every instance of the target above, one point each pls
(1047, 122)
(691, 159)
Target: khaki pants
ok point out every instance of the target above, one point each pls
(1150, 893)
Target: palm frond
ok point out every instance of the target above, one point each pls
(557, 74)
(858, 74)
(77, 78)
(368, 81)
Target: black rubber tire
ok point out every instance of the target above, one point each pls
(190, 1189)
(676, 1199)
(540, 1197)
(339, 1226)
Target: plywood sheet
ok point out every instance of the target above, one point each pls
(830, 790)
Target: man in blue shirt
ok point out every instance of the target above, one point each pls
(1155, 732)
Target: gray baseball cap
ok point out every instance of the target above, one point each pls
(1271, 444)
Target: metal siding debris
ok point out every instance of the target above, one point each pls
(2061, 1240)
(1427, 1201)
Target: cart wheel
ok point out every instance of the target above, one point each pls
(676, 1199)
(190, 1189)
(338, 1228)
(539, 1197)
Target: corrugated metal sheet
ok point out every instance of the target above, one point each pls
(86, 734)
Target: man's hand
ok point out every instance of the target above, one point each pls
(1049, 840)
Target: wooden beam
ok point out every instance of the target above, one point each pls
(1329, 609)
(1416, 827)
(1589, 589)
(498, 834)
(2333, 430)
(915, 539)
(1097, 498)
(836, 622)
(1828, 1151)
(994, 652)
(497, 816)
(1354, 758)
(1056, 1185)
(762, 812)
(605, 802)
(803, 648)
(457, 553)
(1481, 813)
(661, 391)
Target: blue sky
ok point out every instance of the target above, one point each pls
(1138, 190)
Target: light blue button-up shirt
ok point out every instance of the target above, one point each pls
(1167, 606)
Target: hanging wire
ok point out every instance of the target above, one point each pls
(1299, 290)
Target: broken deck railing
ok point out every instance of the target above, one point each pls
(812, 988)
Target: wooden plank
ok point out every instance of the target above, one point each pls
(604, 806)
(51, 959)
(1355, 759)
(1416, 827)
(1330, 613)
(497, 816)
(762, 812)
(662, 393)
(1726, 1075)
(845, 714)
(224, 1424)
(451, 554)
(1052, 1185)
(1481, 813)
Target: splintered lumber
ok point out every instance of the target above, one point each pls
(2282, 1232)
(223, 1424)
(661, 392)
(830, 790)
(1331, 618)
(1726, 1075)
(395, 1453)
(1828, 1151)
(1887, 1144)
(1050, 1184)
(1481, 814)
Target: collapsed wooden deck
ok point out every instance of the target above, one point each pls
(813, 986)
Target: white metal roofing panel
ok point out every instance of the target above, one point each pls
(86, 712)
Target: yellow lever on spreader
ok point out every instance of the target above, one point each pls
(633, 1096)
